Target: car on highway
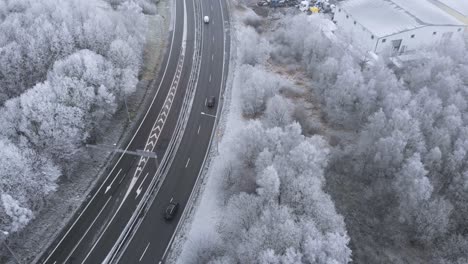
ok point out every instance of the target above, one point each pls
(211, 102)
(171, 211)
(206, 19)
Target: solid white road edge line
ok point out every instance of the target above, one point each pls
(87, 230)
(142, 255)
(121, 180)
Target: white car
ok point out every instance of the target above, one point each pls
(206, 19)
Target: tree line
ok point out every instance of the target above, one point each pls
(65, 68)
(410, 153)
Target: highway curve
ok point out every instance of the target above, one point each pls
(122, 220)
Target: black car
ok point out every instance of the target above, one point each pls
(211, 102)
(171, 211)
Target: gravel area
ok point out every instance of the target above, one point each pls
(60, 207)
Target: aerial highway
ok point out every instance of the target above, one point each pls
(150, 242)
(122, 220)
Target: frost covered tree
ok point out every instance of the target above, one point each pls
(414, 139)
(278, 111)
(64, 69)
(17, 216)
(286, 217)
(411, 125)
(269, 184)
(56, 117)
(291, 46)
(453, 250)
(39, 33)
(257, 85)
(26, 179)
(349, 101)
(25, 175)
(412, 186)
(249, 51)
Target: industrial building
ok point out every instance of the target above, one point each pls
(395, 25)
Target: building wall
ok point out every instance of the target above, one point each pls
(418, 38)
(361, 36)
(453, 12)
(365, 39)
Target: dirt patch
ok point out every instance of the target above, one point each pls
(157, 29)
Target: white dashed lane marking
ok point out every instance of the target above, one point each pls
(121, 180)
(142, 255)
(87, 230)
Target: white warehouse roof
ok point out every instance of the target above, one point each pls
(387, 17)
(459, 5)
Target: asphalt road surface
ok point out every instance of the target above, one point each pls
(97, 227)
(149, 243)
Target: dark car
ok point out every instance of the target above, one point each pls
(171, 211)
(211, 102)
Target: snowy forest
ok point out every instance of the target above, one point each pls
(353, 161)
(409, 159)
(328, 158)
(65, 68)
